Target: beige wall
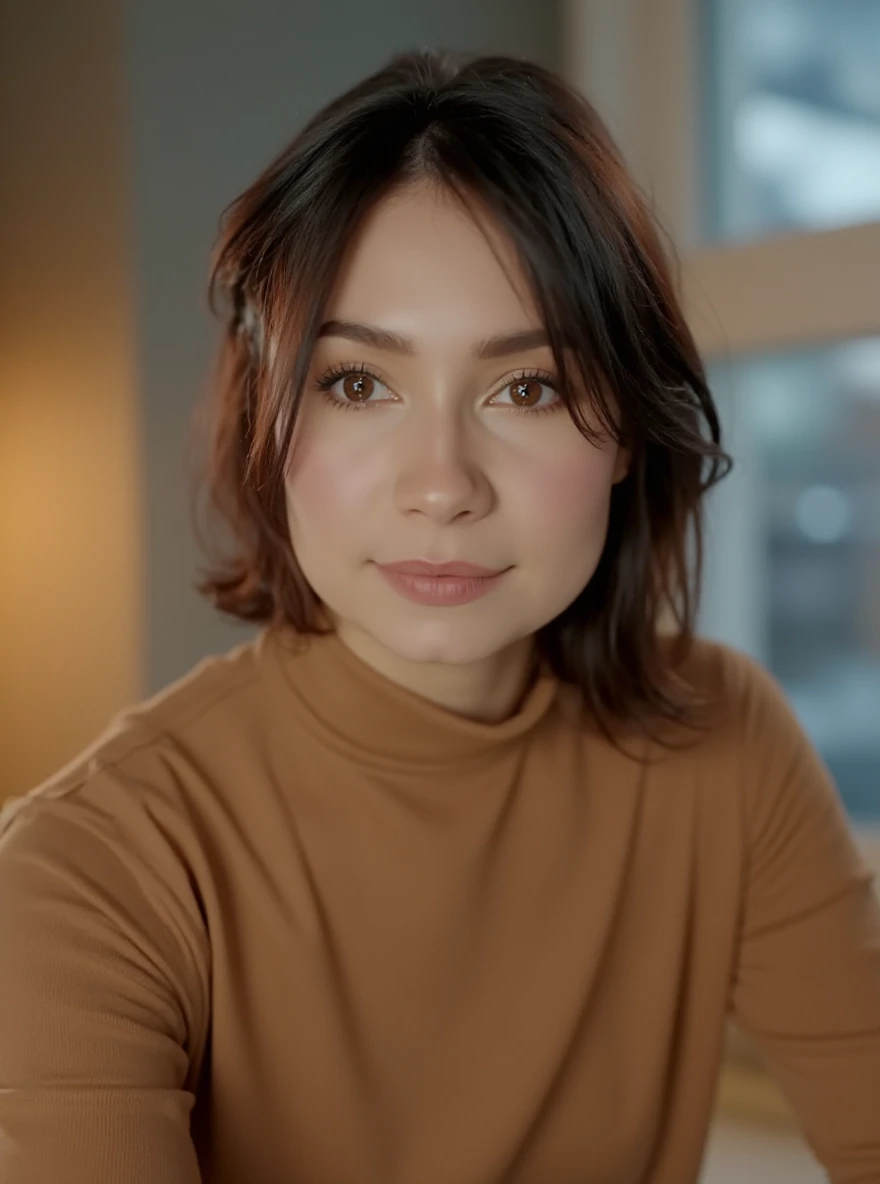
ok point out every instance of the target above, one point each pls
(70, 534)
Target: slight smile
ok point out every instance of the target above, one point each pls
(443, 584)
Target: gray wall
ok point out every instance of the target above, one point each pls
(215, 89)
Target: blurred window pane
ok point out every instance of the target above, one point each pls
(792, 103)
(794, 545)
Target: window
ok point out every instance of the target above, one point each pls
(792, 95)
(754, 126)
(793, 572)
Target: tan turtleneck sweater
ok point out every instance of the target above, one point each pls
(288, 923)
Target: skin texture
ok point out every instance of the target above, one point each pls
(439, 462)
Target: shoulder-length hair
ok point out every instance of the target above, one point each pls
(516, 139)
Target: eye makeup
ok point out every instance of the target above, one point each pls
(334, 374)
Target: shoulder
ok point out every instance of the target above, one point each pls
(754, 739)
(105, 858)
(207, 696)
(116, 834)
(102, 865)
(743, 698)
(745, 730)
(130, 791)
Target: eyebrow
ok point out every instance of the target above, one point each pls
(490, 347)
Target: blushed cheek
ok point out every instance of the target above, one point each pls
(567, 495)
(327, 489)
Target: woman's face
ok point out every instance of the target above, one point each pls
(430, 430)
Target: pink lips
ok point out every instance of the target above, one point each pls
(441, 583)
(421, 567)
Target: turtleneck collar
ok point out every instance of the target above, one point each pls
(367, 716)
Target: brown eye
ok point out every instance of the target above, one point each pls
(525, 392)
(358, 387)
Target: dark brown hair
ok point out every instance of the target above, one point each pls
(513, 137)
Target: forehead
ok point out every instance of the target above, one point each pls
(423, 262)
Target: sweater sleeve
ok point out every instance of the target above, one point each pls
(807, 979)
(99, 998)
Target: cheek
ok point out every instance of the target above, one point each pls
(327, 486)
(565, 496)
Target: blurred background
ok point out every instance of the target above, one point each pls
(754, 125)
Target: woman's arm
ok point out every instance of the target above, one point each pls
(807, 979)
(97, 998)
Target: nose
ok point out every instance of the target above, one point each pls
(440, 475)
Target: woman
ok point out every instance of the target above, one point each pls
(455, 871)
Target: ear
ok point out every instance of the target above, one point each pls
(621, 464)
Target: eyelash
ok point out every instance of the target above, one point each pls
(332, 376)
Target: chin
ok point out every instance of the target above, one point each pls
(447, 642)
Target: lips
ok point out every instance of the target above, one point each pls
(441, 585)
(420, 567)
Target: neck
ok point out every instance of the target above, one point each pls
(488, 691)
